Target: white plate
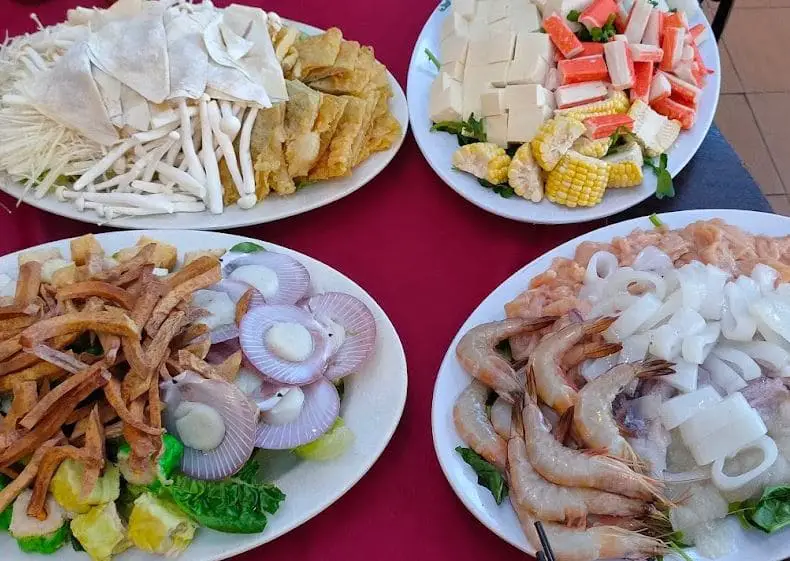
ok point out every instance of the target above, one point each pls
(372, 406)
(438, 148)
(452, 380)
(271, 209)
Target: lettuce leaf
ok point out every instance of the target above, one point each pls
(237, 506)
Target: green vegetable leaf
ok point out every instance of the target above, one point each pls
(573, 15)
(248, 473)
(503, 190)
(467, 132)
(596, 34)
(487, 475)
(664, 186)
(433, 59)
(247, 247)
(75, 543)
(302, 183)
(231, 505)
(678, 550)
(772, 511)
(48, 543)
(444, 5)
(653, 3)
(5, 516)
(584, 34)
(656, 221)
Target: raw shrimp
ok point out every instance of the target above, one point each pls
(593, 349)
(577, 468)
(474, 428)
(562, 504)
(479, 358)
(501, 417)
(592, 416)
(599, 542)
(547, 378)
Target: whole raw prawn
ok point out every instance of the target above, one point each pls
(474, 427)
(579, 468)
(480, 359)
(592, 416)
(556, 503)
(545, 368)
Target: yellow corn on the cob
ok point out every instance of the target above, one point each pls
(525, 176)
(485, 160)
(592, 148)
(553, 139)
(625, 166)
(654, 132)
(615, 104)
(577, 180)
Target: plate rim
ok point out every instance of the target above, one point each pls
(437, 413)
(401, 369)
(570, 216)
(51, 205)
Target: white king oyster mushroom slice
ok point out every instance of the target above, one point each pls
(67, 94)
(188, 57)
(110, 91)
(140, 60)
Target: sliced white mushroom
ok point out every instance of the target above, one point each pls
(104, 164)
(213, 185)
(226, 146)
(182, 179)
(158, 153)
(157, 133)
(245, 156)
(190, 154)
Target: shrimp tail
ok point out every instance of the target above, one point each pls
(650, 487)
(599, 325)
(653, 368)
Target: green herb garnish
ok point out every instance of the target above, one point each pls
(247, 247)
(487, 475)
(664, 187)
(573, 15)
(653, 3)
(302, 183)
(503, 189)
(655, 220)
(467, 132)
(770, 513)
(600, 34)
(444, 5)
(433, 59)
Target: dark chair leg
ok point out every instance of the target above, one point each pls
(720, 19)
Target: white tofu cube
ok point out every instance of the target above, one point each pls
(496, 129)
(442, 81)
(478, 30)
(454, 69)
(562, 7)
(446, 104)
(527, 95)
(528, 71)
(532, 44)
(497, 73)
(466, 8)
(498, 10)
(524, 16)
(482, 8)
(454, 49)
(501, 26)
(454, 24)
(501, 46)
(476, 81)
(523, 124)
(478, 53)
(493, 102)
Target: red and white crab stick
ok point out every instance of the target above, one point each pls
(619, 63)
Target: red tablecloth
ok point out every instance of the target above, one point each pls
(426, 255)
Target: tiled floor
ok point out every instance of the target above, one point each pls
(754, 108)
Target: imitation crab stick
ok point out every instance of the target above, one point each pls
(637, 20)
(674, 110)
(618, 62)
(621, 18)
(643, 78)
(562, 36)
(646, 53)
(604, 126)
(676, 19)
(698, 34)
(684, 92)
(597, 13)
(673, 47)
(579, 94)
(660, 87)
(582, 69)
(653, 30)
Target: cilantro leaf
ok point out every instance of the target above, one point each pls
(487, 474)
(433, 59)
(503, 190)
(467, 132)
(247, 247)
(664, 186)
(573, 15)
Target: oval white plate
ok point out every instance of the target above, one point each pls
(271, 209)
(372, 407)
(438, 148)
(451, 381)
